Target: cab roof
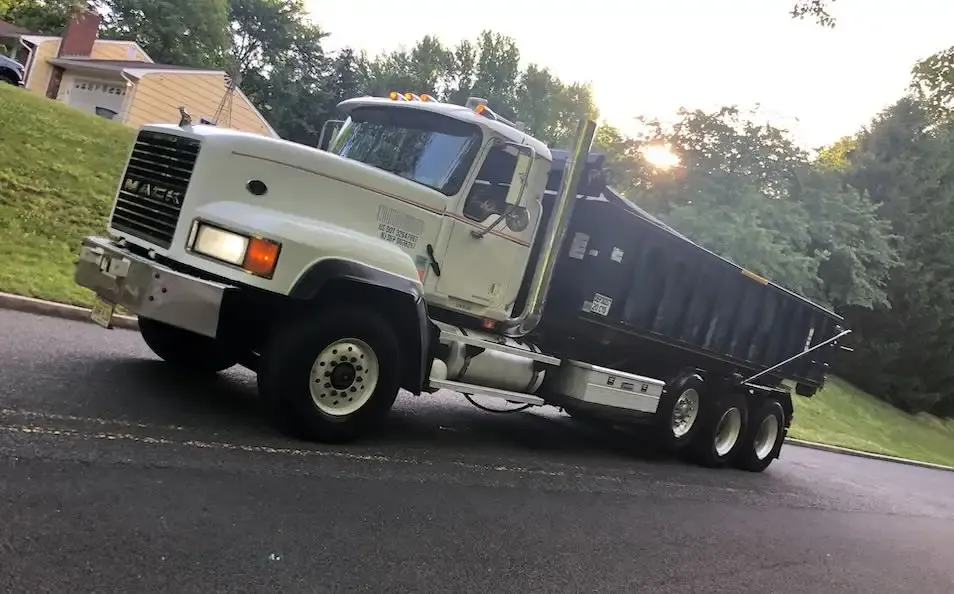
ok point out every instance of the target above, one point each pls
(458, 112)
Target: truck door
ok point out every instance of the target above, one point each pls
(480, 267)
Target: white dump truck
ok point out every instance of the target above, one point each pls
(435, 246)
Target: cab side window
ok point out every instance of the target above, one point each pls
(488, 195)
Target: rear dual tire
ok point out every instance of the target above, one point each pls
(733, 434)
(723, 422)
(763, 438)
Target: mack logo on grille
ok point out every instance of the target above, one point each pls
(153, 191)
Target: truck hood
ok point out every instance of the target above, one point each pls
(301, 158)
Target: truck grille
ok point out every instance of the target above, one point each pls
(151, 194)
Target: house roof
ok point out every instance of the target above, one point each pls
(11, 30)
(122, 65)
(136, 68)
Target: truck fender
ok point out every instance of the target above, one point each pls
(335, 279)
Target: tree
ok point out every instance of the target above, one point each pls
(44, 17)
(932, 82)
(427, 68)
(293, 92)
(905, 164)
(816, 9)
(277, 51)
(180, 32)
(263, 32)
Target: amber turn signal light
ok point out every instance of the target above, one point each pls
(261, 256)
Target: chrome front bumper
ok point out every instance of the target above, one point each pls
(149, 289)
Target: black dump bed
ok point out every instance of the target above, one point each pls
(632, 293)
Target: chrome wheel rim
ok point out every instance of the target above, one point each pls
(728, 431)
(684, 413)
(343, 377)
(765, 437)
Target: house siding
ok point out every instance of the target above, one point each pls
(102, 50)
(158, 96)
(42, 69)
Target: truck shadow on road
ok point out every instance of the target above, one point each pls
(226, 406)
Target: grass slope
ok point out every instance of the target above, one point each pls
(58, 172)
(843, 415)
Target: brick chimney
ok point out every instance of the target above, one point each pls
(82, 27)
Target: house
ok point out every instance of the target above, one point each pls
(117, 80)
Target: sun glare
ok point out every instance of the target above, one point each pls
(660, 156)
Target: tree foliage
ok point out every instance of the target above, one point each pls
(44, 17)
(186, 32)
(814, 9)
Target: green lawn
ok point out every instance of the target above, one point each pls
(843, 415)
(58, 172)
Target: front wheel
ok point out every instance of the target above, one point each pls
(186, 350)
(334, 377)
(763, 439)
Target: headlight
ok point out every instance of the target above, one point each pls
(220, 244)
(256, 255)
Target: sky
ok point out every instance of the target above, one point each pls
(651, 57)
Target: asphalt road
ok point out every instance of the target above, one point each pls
(116, 476)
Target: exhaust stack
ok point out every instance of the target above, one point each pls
(527, 320)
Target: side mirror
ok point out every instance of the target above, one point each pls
(521, 173)
(328, 132)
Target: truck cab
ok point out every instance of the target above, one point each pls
(480, 202)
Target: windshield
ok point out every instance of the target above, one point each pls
(424, 147)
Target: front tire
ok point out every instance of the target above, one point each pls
(334, 378)
(186, 350)
(763, 439)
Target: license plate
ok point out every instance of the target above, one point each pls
(102, 313)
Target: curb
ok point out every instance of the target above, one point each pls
(60, 310)
(860, 454)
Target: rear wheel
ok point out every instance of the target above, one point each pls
(722, 422)
(764, 437)
(332, 378)
(676, 421)
(184, 349)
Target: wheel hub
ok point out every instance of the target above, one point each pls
(684, 413)
(343, 377)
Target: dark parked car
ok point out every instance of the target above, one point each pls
(11, 71)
